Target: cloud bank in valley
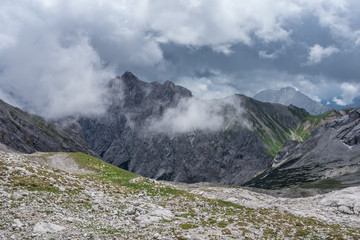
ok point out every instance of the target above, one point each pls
(56, 56)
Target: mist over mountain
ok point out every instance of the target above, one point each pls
(88, 150)
(289, 95)
(162, 131)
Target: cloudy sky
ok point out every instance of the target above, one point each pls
(56, 55)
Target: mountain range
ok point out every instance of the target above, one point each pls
(299, 173)
(163, 132)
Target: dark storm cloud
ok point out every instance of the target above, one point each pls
(56, 56)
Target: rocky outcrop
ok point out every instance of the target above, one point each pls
(161, 131)
(329, 158)
(289, 95)
(29, 133)
(341, 206)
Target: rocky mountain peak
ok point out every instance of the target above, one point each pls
(131, 81)
(129, 75)
(127, 82)
(169, 84)
(169, 92)
(129, 91)
(290, 95)
(129, 135)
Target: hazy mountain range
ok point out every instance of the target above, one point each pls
(289, 95)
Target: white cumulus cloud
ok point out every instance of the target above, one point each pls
(317, 53)
(349, 92)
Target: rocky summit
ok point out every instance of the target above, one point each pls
(163, 132)
(289, 95)
(86, 198)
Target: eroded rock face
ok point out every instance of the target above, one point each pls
(154, 130)
(346, 201)
(29, 133)
(332, 152)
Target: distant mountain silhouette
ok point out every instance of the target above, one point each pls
(289, 95)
